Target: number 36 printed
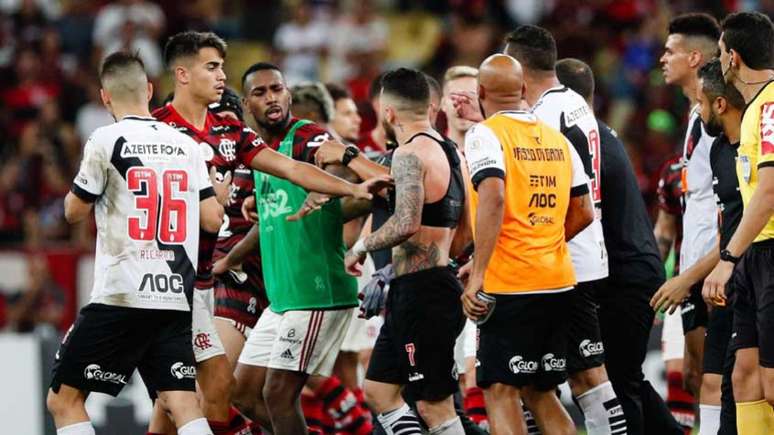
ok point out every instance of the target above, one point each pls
(166, 217)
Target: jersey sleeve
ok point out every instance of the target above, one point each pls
(484, 154)
(204, 183)
(250, 145)
(580, 181)
(308, 140)
(766, 149)
(90, 181)
(667, 200)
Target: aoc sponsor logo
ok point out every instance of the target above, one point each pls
(180, 371)
(553, 364)
(93, 372)
(588, 348)
(519, 365)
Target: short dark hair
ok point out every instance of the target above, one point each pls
(258, 66)
(533, 46)
(189, 43)
(433, 84)
(118, 62)
(407, 84)
(714, 84)
(695, 24)
(751, 34)
(376, 87)
(576, 75)
(315, 96)
(337, 92)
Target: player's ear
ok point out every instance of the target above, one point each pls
(181, 74)
(694, 58)
(721, 105)
(150, 92)
(105, 97)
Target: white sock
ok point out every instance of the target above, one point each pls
(400, 421)
(449, 427)
(709, 417)
(83, 428)
(195, 427)
(602, 411)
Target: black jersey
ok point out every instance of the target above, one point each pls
(631, 246)
(725, 185)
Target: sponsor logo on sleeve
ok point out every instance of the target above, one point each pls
(767, 129)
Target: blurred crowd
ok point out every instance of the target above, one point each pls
(50, 51)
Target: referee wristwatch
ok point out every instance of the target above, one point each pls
(350, 153)
(726, 255)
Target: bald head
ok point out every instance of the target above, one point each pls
(500, 83)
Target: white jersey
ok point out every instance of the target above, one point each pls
(700, 216)
(146, 180)
(566, 111)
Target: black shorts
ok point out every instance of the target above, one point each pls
(753, 284)
(694, 310)
(717, 339)
(524, 342)
(584, 345)
(106, 343)
(415, 347)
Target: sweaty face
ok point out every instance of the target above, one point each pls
(463, 84)
(267, 98)
(707, 112)
(674, 61)
(207, 79)
(346, 121)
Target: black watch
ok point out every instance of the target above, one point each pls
(725, 255)
(350, 153)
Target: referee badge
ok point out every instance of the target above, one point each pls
(746, 168)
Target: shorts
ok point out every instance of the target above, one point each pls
(465, 346)
(241, 327)
(107, 343)
(300, 341)
(584, 347)
(415, 348)
(717, 339)
(524, 342)
(205, 339)
(357, 335)
(753, 301)
(694, 310)
(672, 337)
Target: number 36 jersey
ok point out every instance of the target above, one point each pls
(146, 180)
(566, 111)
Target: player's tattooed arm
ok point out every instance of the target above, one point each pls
(408, 173)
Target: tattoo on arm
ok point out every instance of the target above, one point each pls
(408, 174)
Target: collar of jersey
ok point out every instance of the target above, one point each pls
(558, 88)
(520, 115)
(139, 118)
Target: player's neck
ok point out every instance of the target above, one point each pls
(732, 128)
(193, 111)
(458, 136)
(537, 84)
(123, 110)
(275, 133)
(405, 130)
(749, 81)
(379, 136)
(689, 89)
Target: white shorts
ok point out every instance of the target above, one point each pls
(357, 335)
(206, 342)
(465, 346)
(299, 341)
(672, 338)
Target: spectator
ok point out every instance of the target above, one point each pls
(300, 44)
(42, 303)
(346, 120)
(13, 202)
(93, 114)
(358, 43)
(133, 25)
(29, 92)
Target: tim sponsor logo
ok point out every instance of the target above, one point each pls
(93, 372)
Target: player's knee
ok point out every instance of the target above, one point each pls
(434, 413)
(744, 376)
(220, 387)
(278, 396)
(60, 403)
(245, 399)
(692, 376)
(710, 386)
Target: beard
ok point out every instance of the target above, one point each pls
(273, 126)
(713, 126)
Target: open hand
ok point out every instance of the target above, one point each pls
(366, 189)
(466, 105)
(313, 202)
(670, 295)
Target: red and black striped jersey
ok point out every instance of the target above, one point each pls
(229, 146)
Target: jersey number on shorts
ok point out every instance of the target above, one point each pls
(410, 349)
(166, 217)
(596, 189)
